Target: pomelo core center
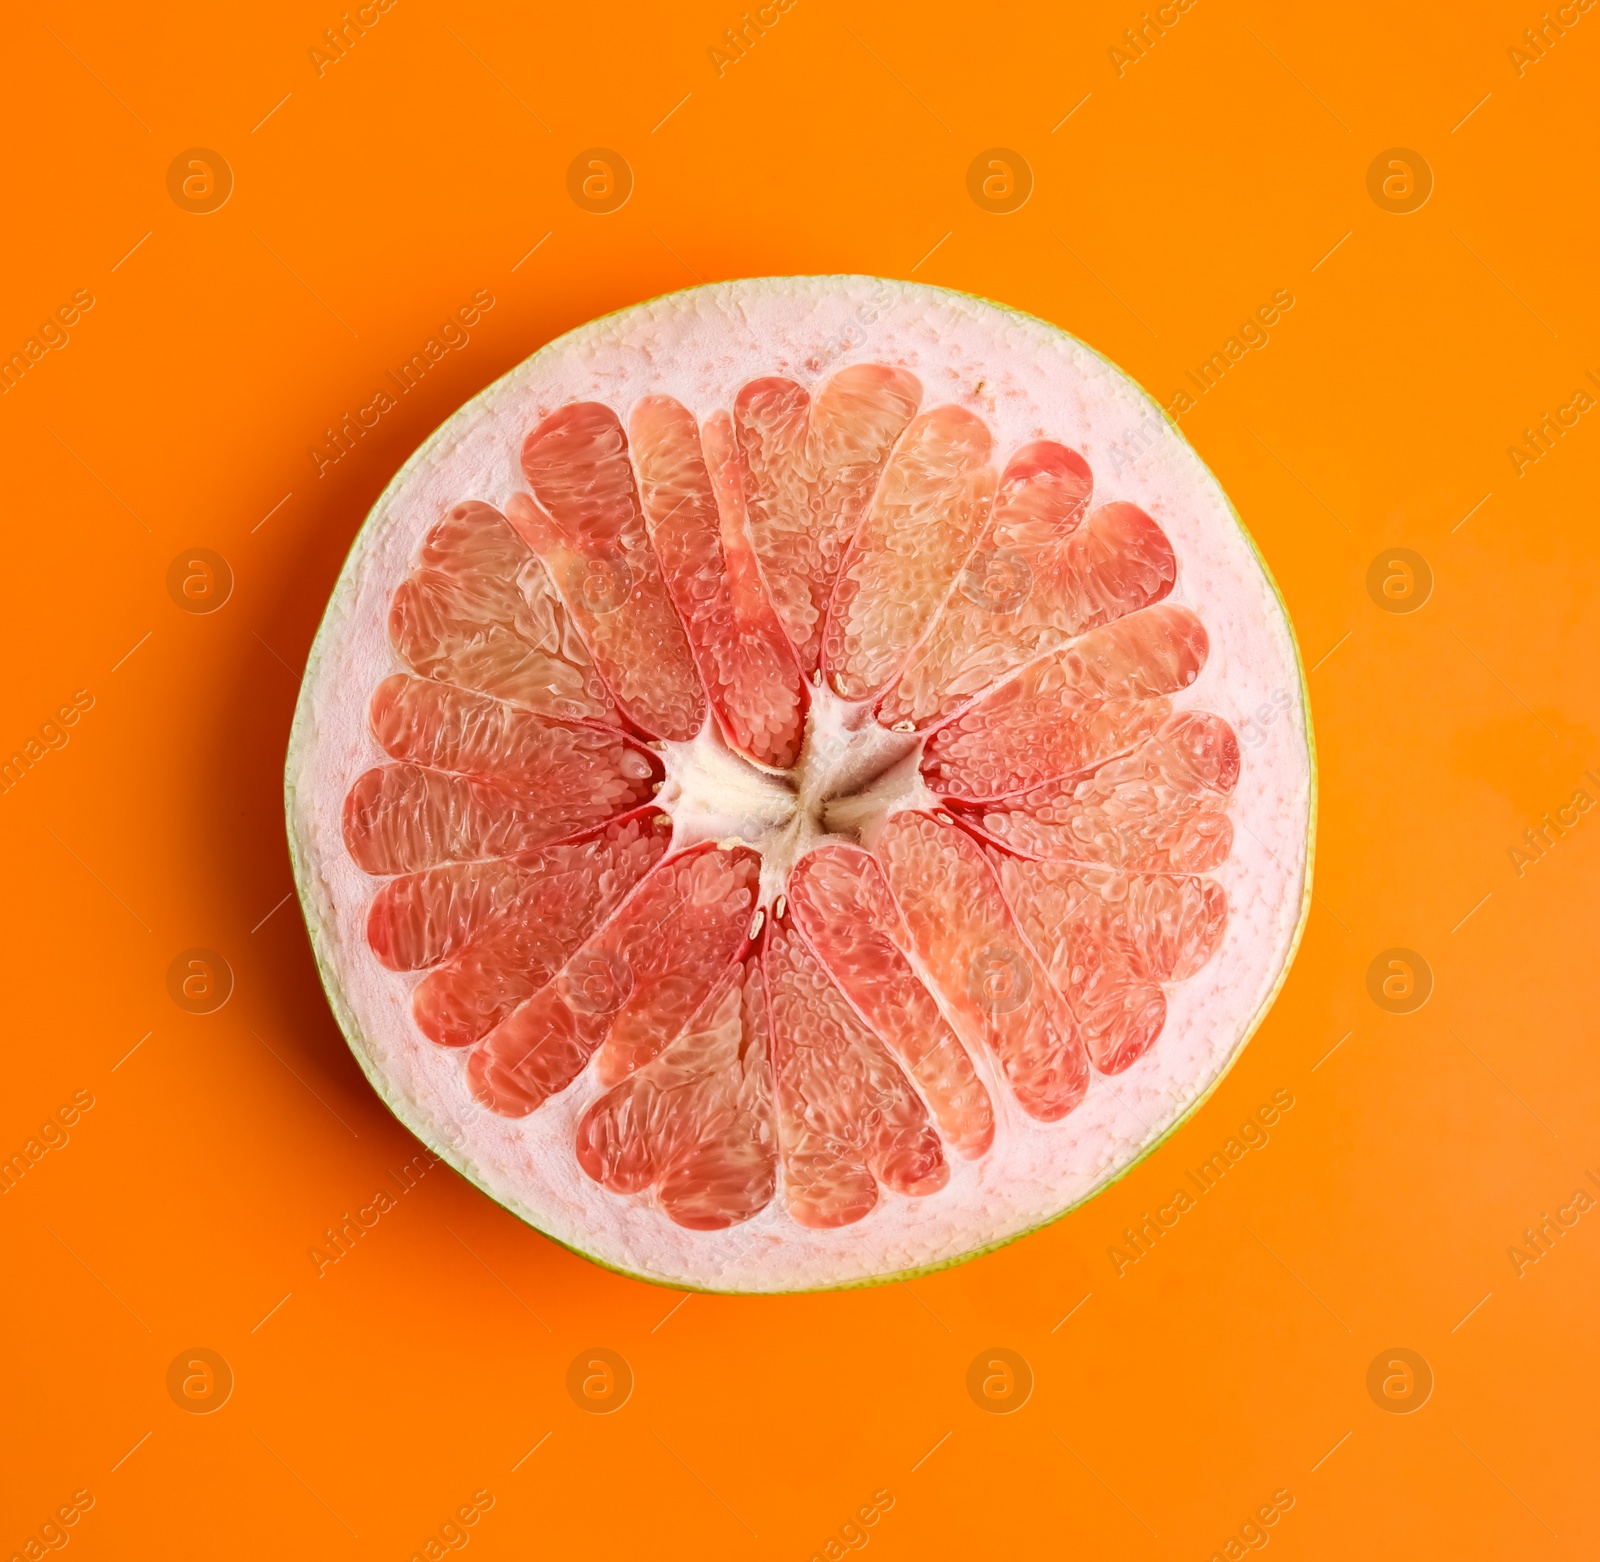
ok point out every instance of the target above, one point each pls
(850, 775)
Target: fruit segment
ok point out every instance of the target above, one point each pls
(694, 505)
(1108, 940)
(402, 818)
(1072, 710)
(631, 987)
(696, 1124)
(918, 531)
(1164, 925)
(1040, 575)
(842, 904)
(847, 1117)
(966, 938)
(481, 778)
(562, 894)
(554, 765)
(419, 919)
(812, 468)
(480, 611)
(1163, 807)
(584, 521)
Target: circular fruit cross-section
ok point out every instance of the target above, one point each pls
(767, 795)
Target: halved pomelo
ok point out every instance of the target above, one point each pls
(766, 795)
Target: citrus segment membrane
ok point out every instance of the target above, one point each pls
(843, 904)
(1109, 941)
(918, 530)
(1071, 711)
(981, 965)
(479, 611)
(694, 505)
(813, 467)
(696, 1123)
(1163, 806)
(584, 521)
(804, 810)
(848, 1118)
(554, 899)
(631, 986)
(561, 769)
(481, 779)
(419, 919)
(1040, 575)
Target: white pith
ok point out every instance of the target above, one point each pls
(1028, 381)
(851, 775)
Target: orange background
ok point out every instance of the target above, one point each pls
(370, 203)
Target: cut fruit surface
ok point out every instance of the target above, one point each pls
(695, 503)
(813, 468)
(981, 965)
(555, 898)
(631, 987)
(1164, 805)
(584, 521)
(479, 612)
(917, 532)
(844, 905)
(1069, 712)
(696, 1123)
(848, 1119)
(778, 822)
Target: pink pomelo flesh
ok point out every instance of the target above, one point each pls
(788, 833)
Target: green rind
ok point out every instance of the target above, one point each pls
(355, 1038)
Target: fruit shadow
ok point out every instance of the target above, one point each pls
(270, 946)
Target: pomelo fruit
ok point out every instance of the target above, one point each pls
(767, 796)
